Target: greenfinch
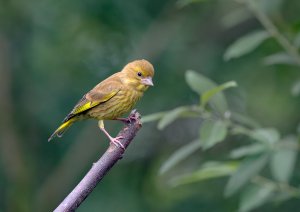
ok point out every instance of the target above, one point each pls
(111, 98)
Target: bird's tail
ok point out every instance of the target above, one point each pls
(62, 128)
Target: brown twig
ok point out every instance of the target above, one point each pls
(101, 167)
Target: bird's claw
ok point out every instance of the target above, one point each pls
(133, 112)
(117, 142)
(132, 117)
(124, 120)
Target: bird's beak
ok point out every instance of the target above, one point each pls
(147, 81)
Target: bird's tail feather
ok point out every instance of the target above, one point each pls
(62, 128)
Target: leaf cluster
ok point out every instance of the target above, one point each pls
(260, 169)
(245, 164)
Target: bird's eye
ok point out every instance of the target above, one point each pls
(139, 74)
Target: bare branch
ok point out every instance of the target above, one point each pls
(101, 167)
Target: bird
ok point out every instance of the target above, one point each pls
(111, 98)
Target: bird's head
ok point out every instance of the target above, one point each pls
(139, 74)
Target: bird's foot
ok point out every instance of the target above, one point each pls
(116, 141)
(134, 115)
(124, 120)
(131, 117)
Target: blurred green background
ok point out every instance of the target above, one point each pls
(52, 52)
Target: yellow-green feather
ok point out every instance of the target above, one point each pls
(79, 108)
(84, 107)
(115, 107)
(62, 128)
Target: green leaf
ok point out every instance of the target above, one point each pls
(212, 132)
(281, 197)
(152, 117)
(208, 171)
(248, 169)
(198, 82)
(267, 6)
(296, 88)
(207, 95)
(279, 58)
(176, 113)
(201, 84)
(255, 196)
(245, 120)
(240, 130)
(297, 40)
(235, 17)
(283, 160)
(180, 155)
(245, 44)
(247, 150)
(266, 135)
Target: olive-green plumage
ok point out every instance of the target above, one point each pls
(112, 97)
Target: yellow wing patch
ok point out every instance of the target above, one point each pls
(84, 107)
(90, 104)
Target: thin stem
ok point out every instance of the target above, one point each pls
(273, 30)
(282, 187)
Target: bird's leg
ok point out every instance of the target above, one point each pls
(115, 140)
(129, 118)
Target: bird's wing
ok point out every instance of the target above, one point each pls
(87, 103)
(99, 94)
